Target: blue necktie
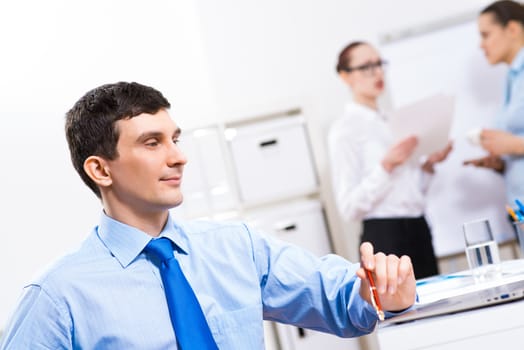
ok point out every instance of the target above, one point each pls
(187, 318)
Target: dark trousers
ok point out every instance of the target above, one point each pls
(403, 236)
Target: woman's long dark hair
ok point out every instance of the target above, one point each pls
(505, 11)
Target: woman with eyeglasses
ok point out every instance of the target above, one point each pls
(501, 27)
(373, 180)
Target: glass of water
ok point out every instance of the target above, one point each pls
(481, 251)
(519, 228)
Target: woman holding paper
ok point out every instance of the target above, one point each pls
(501, 27)
(374, 179)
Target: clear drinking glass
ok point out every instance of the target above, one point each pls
(519, 228)
(481, 250)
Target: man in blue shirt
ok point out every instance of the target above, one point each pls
(501, 26)
(109, 294)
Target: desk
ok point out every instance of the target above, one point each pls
(495, 327)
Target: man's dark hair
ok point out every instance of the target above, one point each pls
(90, 124)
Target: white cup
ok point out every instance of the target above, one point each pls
(473, 136)
(482, 251)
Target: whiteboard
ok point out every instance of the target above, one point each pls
(449, 60)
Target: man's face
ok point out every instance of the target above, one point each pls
(495, 39)
(147, 173)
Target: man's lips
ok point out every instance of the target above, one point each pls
(175, 180)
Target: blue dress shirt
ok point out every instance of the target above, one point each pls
(108, 294)
(511, 119)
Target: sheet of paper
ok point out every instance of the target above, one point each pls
(429, 119)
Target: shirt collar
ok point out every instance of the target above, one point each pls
(518, 62)
(126, 242)
(373, 114)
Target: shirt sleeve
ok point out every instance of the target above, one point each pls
(512, 114)
(38, 323)
(316, 293)
(355, 193)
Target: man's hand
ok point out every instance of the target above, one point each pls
(394, 278)
(498, 142)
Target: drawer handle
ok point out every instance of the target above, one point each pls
(301, 332)
(290, 227)
(268, 143)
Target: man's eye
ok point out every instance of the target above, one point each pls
(151, 143)
(176, 141)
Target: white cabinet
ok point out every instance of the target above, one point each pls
(482, 329)
(207, 183)
(272, 159)
(302, 223)
(293, 338)
(262, 172)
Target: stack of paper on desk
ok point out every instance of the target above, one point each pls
(458, 292)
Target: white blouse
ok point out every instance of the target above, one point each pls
(357, 143)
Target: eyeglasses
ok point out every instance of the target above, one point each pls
(368, 69)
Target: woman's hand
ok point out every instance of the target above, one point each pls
(399, 153)
(498, 142)
(437, 157)
(490, 162)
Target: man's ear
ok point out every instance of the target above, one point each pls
(515, 28)
(97, 169)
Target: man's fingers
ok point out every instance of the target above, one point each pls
(392, 273)
(381, 272)
(405, 268)
(366, 256)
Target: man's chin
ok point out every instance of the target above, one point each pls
(177, 203)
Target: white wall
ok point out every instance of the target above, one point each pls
(417, 70)
(52, 53)
(273, 55)
(214, 60)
